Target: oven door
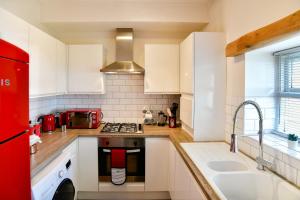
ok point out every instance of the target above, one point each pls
(135, 161)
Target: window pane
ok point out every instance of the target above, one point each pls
(295, 73)
(289, 93)
(289, 121)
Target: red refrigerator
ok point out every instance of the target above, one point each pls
(14, 116)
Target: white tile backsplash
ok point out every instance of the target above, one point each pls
(123, 101)
(286, 161)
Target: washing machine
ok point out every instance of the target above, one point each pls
(56, 181)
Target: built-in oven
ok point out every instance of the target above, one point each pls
(135, 157)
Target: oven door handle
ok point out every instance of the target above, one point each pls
(127, 151)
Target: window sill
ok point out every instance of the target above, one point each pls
(276, 147)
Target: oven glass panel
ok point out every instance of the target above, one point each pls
(135, 166)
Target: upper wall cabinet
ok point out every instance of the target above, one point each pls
(187, 61)
(61, 68)
(85, 62)
(14, 30)
(42, 51)
(162, 68)
(203, 85)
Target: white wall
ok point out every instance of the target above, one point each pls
(108, 41)
(244, 77)
(124, 10)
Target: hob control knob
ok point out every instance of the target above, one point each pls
(135, 143)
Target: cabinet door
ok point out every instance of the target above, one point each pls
(172, 170)
(85, 62)
(157, 164)
(187, 65)
(88, 164)
(42, 50)
(187, 110)
(162, 68)
(61, 68)
(14, 30)
(196, 192)
(182, 180)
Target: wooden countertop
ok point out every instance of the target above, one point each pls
(53, 144)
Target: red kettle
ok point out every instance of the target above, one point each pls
(48, 123)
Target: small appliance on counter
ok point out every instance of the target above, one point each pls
(60, 119)
(162, 119)
(172, 115)
(148, 117)
(47, 122)
(83, 118)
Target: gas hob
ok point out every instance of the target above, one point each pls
(122, 128)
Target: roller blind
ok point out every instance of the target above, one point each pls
(289, 92)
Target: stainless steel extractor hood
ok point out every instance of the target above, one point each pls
(124, 55)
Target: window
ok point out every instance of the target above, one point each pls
(288, 118)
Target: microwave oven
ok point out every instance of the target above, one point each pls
(83, 118)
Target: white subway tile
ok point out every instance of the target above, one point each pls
(106, 107)
(124, 77)
(113, 88)
(119, 95)
(119, 107)
(119, 82)
(113, 101)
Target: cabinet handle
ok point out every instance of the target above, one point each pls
(127, 151)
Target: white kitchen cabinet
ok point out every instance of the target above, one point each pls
(84, 74)
(14, 30)
(42, 76)
(172, 169)
(187, 109)
(195, 192)
(187, 55)
(185, 185)
(88, 164)
(61, 68)
(157, 164)
(182, 180)
(203, 85)
(161, 68)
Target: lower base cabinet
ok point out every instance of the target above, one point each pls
(167, 171)
(88, 164)
(183, 186)
(157, 164)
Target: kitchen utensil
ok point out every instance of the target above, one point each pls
(48, 123)
(64, 128)
(169, 112)
(162, 118)
(173, 109)
(172, 122)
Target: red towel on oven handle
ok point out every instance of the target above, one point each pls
(118, 158)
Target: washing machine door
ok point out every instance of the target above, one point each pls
(65, 190)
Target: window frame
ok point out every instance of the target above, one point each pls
(285, 91)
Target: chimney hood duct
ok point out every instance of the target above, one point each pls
(124, 55)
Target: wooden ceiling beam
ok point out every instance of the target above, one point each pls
(264, 35)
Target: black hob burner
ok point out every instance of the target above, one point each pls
(122, 128)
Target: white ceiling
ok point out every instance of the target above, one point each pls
(137, 26)
(155, 1)
(83, 18)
